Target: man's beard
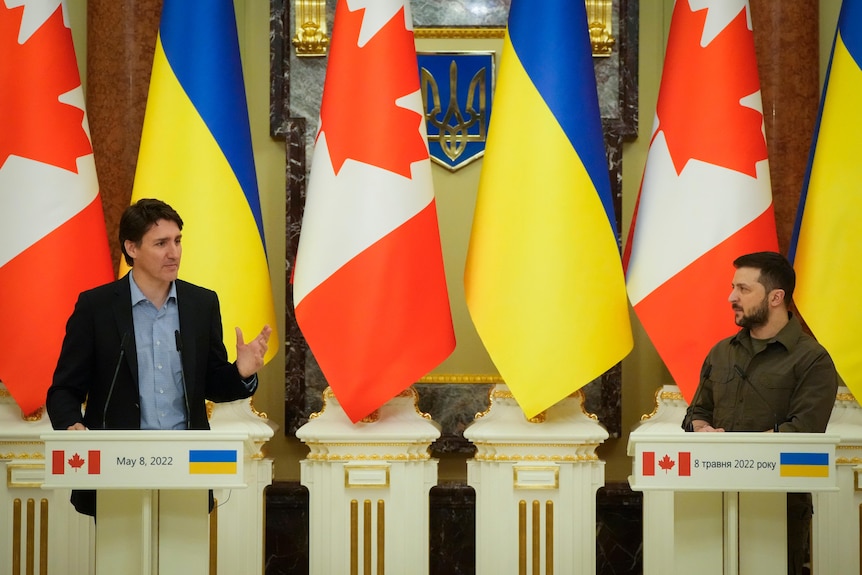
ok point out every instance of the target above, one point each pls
(757, 318)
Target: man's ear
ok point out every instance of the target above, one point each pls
(131, 248)
(776, 297)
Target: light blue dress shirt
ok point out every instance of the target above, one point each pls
(160, 373)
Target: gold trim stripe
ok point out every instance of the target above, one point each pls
(459, 33)
(480, 378)
(549, 537)
(16, 536)
(363, 457)
(381, 537)
(522, 537)
(366, 534)
(537, 536)
(31, 536)
(214, 538)
(556, 458)
(43, 537)
(354, 537)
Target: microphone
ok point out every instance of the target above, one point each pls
(183, 378)
(114, 378)
(759, 394)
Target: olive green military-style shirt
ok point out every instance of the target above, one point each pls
(748, 385)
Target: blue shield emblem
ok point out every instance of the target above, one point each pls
(456, 95)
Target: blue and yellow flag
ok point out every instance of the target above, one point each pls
(544, 279)
(196, 155)
(804, 465)
(826, 248)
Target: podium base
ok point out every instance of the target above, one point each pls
(139, 529)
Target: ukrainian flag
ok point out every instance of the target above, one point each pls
(826, 248)
(196, 155)
(804, 465)
(212, 461)
(544, 280)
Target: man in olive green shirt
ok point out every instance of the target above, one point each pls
(770, 376)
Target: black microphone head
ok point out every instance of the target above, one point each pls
(178, 339)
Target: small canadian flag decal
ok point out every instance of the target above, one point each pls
(680, 466)
(91, 463)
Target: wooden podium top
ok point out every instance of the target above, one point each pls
(137, 459)
(798, 462)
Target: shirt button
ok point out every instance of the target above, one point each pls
(159, 366)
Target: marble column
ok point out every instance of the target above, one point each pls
(121, 39)
(787, 46)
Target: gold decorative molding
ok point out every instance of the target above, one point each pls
(457, 33)
(12, 455)
(479, 378)
(520, 482)
(375, 415)
(554, 458)
(845, 397)
(13, 482)
(372, 417)
(540, 417)
(310, 38)
(368, 457)
(661, 396)
(260, 414)
(600, 23)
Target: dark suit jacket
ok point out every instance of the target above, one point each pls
(100, 331)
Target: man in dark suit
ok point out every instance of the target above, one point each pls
(146, 351)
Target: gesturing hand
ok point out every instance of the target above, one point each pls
(249, 356)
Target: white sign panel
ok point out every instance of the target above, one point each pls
(143, 460)
(734, 462)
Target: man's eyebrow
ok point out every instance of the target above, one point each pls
(166, 238)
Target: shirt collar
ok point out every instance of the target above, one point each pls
(138, 296)
(787, 337)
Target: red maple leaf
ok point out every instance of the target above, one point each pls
(358, 112)
(35, 124)
(698, 104)
(666, 463)
(77, 462)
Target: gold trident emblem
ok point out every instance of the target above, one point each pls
(454, 125)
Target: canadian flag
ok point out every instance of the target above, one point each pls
(680, 466)
(705, 197)
(53, 242)
(91, 462)
(369, 287)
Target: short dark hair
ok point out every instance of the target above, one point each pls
(775, 271)
(140, 217)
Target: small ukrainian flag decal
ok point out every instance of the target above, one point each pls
(804, 465)
(212, 461)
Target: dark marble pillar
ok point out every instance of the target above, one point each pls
(787, 45)
(121, 39)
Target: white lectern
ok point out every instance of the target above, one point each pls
(715, 502)
(152, 491)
